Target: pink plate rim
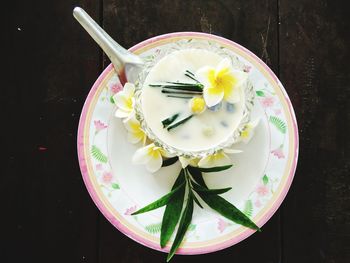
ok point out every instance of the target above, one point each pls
(124, 229)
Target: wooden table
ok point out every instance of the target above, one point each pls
(48, 214)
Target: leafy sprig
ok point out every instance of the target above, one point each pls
(188, 184)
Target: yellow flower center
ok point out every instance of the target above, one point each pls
(129, 102)
(221, 81)
(153, 152)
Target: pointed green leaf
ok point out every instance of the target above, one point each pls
(196, 175)
(183, 226)
(265, 179)
(248, 208)
(214, 169)
(172, 211)
(160, 202)
(228, 210)
(196, 200)
(205, 190)
(111, 100)
(170, 161)
(98, 155)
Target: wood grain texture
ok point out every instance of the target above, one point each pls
(51, 216)
(314, 55)
(48, 216)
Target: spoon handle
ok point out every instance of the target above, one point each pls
(118, 55)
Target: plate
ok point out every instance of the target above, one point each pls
(260, 179)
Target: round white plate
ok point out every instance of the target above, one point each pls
(260, 179)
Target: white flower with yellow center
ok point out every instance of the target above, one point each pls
(219, 158)
(151, 156)
(197, 105)
(135, 132)
(248, 131)
(222, 82)
(125, 101)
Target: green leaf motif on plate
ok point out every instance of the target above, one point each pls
(154, 228)
(111, 100)
(265, 179)
(278, 123)
(260, 93)
(98, 155)
(248, 208)
(115, 186)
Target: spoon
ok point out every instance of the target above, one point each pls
(126, 64)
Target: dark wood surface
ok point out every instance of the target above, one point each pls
(48, 216)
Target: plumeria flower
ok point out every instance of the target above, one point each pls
(197, 105)
(248, 131)
(219, 158)
(222, 82)
(151, 156)
(135, 132)
(187, 161)
(125, 101)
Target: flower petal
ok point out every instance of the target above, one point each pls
(217, 159)
(231, 151)
(203, 75)
(240, 76)
(225, 64)
(123, 102)
(134, 137)
(141, 156)
(155, 163)
(129, 89)
(212, 96)
(184, 161)
(119, 113)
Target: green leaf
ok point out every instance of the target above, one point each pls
(160, 202)
(153, 228)
(265, 179)
(196, 175)
(260, 93)
(248, 208)
(98, 155)
(111, 100)
(196, 199)
(203, 190)
(183, 226)
(169, 120)
(214, 169)
(170, 161)
(278, 123)
(172, 211)
(115, 186)
(228, 210)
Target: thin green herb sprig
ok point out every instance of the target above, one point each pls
(182, 86)
(176, 124)
(188, 185)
